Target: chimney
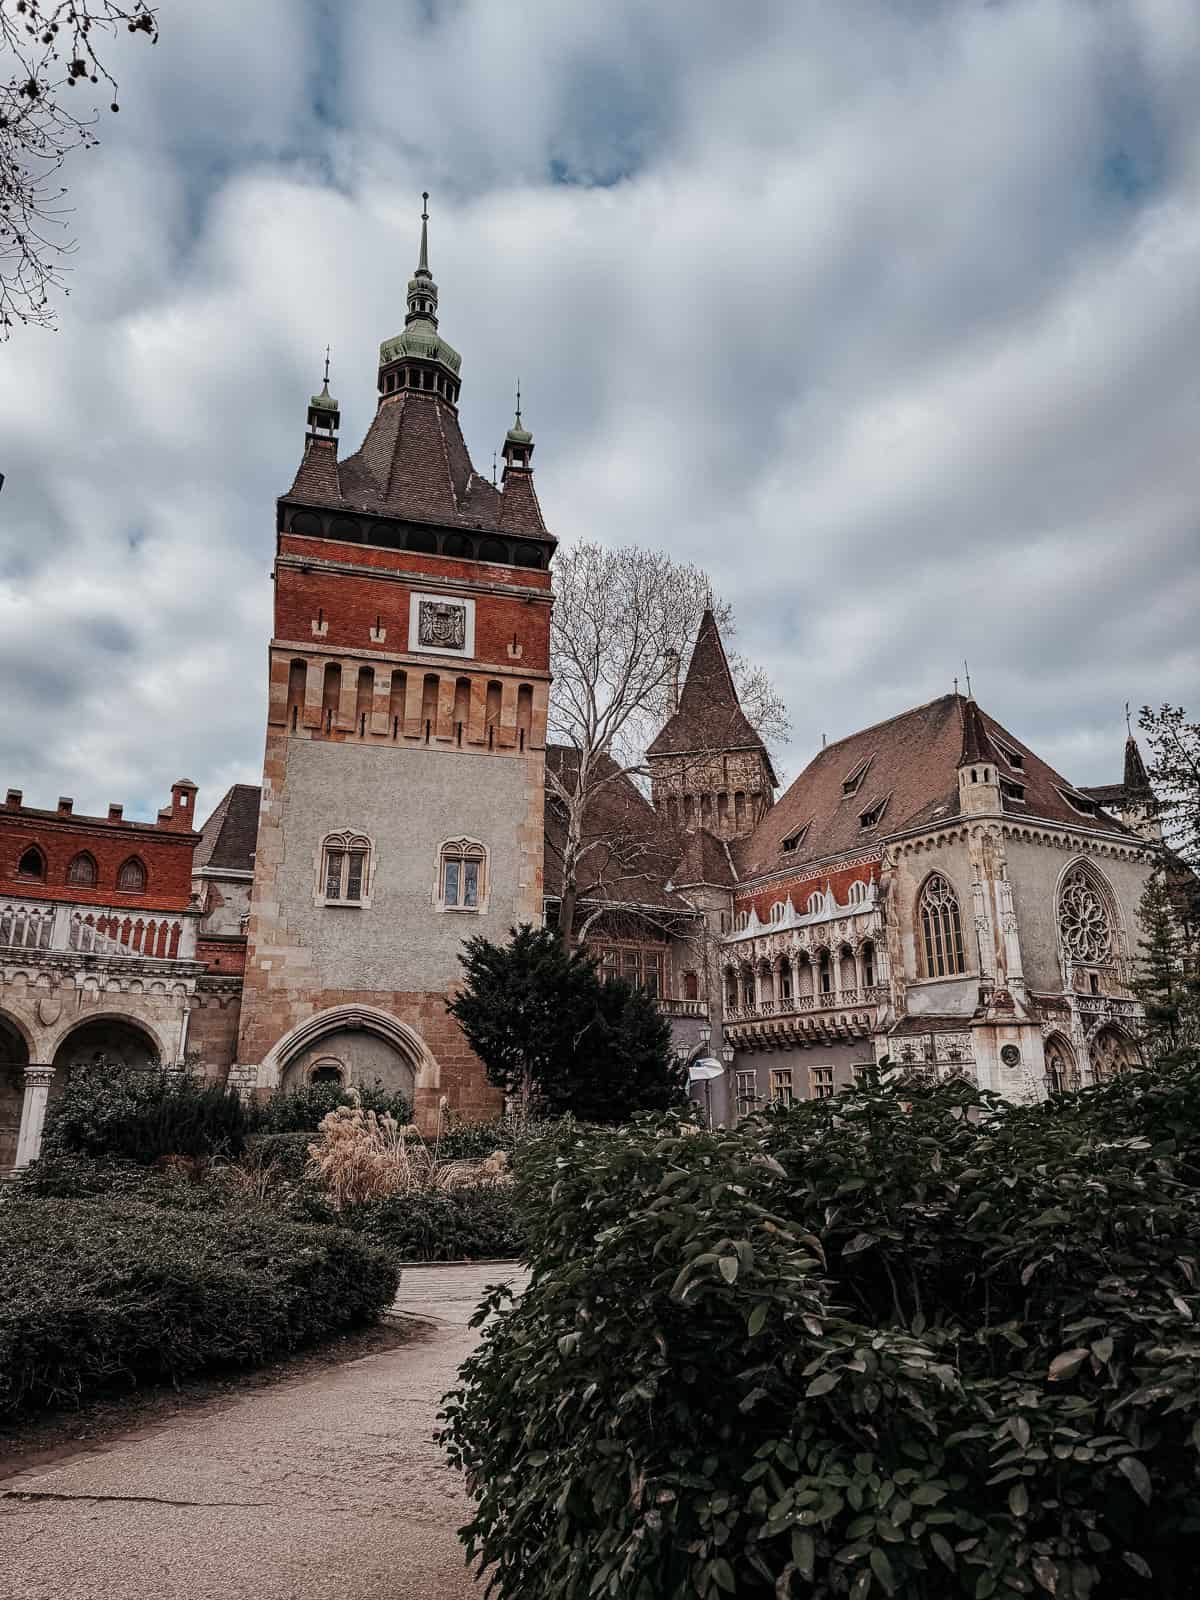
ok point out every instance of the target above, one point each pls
(115, 813)
(65, 805)
(673, 670)
(13, 799)
(183, 801)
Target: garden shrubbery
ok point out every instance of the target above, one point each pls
(101, 1292)
(301, 1110)
(908, 1341)
(472, 1224)
(146, 1116)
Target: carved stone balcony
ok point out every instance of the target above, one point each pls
(805, 1019)
(683, 1008)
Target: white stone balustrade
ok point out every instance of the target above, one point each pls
(66, 928)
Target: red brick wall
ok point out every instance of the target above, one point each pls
(213, 1027)
(800, 884)
(166, 854)
(350, 605)
(225, 956)
(410, 561)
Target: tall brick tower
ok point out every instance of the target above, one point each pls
(402, 801)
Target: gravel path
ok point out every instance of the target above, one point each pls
(328, 1487)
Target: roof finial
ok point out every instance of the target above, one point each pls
(327, 366)
(423, 263)
(518, 402)
(956, 685)
(967, 675)
(493, 469)
(1128, 723)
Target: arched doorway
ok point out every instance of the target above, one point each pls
(14, 1057)
(358, 1044)
(1062, 1072)
(1112, 1052)
(113, 1041)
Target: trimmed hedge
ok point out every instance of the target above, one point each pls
(101, 1292)
(144, 1116)
(283, 1155)
(441, 1225)
(906, 1341)
(301, 1110)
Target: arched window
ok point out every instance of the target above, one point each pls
(858, 892)
(32, 864)
(1084, 924)
(132, 876)
(327, 1070)
(1111, 1053)
(345, 869)
(82, 870)
(779, 910)
(816, 903)
(941, 929)
(462, 875)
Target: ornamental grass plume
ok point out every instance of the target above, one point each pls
(364, 1156)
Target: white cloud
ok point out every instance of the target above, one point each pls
(886, 314)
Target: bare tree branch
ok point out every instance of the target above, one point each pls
(48, 49)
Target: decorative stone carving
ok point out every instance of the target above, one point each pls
(442, 625)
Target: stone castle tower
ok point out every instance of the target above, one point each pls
(708, 766)
(402, 800)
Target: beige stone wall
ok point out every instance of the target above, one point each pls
(224, 902)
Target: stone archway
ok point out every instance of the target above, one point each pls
(14, 1058)
(1062, 1069)
(364, 1044)
(1111, 1052)
(118, 1041)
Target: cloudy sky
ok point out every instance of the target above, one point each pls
(886, 312)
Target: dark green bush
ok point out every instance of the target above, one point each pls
(904, 1342)
(301, 1110)
(100, 1292)
(283, 1155)
(450, 1225)
(475, 1141)
(144, 1116)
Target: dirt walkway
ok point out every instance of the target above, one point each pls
(328, 1487)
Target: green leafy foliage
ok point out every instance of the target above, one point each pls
(1167, 980)
(905, 1341)
(550, 1032)
(101, 1292)
(301, 1110)
(145, 1116)
(441, 1225)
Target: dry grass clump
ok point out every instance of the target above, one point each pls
(362, 1156)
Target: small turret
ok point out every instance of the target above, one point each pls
(518, 445)
(978, 765)
(324, 417)
(1139, 806)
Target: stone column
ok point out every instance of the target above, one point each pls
(38, 1079)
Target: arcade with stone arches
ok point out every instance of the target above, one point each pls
(27, 1087)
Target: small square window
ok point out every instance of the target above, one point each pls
(820, 1083)
(782, 1089)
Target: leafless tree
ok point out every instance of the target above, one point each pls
(48, 49)
(622, 620)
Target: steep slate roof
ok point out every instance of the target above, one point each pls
(710, 716)
(414, 464)
(913, 765)
(1135, 785)
(634, 852)
(229, 837)
(705, 859)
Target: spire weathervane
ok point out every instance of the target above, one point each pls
(327, 366)
(1128, 724)
(423, 263)
(518, 402)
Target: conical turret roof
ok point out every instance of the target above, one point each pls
(709, 717)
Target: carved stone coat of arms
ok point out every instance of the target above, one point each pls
(442, 626)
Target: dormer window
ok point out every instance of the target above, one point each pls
(1014, 758)
(873, 815)
(1012, 791)
(1080, 802)
(853, 780)
(795, 839)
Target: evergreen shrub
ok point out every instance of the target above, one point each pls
(145, 1116)
(301, 1110)
(441, 1225)
(907, 1341)
(101, 1292)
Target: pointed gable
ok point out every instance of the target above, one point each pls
(709, 716)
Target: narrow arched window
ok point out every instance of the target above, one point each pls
(131, 879)
(345, 869)
(82, 870)
(941, 929)
(462, 867)
(32, 864)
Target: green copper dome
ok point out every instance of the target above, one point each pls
(421, 340)
(323, 401)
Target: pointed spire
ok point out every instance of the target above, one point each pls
(977, 744)
(709, 716)
(420, 358)
(423, 262)
(518, 442)
(1137, 779)
(324, 416)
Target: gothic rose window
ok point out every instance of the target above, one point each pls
(345, 869)
(1083, 920)
(461, 875)
(941, 929)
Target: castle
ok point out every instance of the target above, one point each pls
(927, 890)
